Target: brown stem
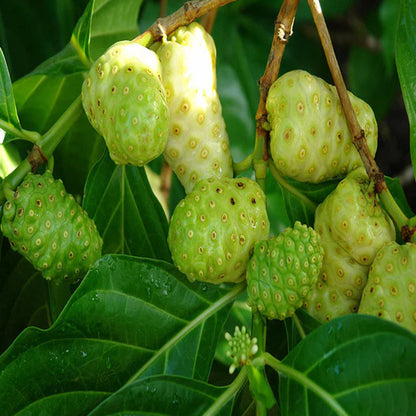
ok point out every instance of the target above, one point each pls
(36, 157)
(208, 20)
(163, 8)
(357, 132)
(190, 11)
(282, 32)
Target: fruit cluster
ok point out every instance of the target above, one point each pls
(163, 100)
(146, 102)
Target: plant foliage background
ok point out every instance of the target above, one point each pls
(136, 336)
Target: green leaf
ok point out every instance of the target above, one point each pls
(129, 318)
(388, 14)
(9, 120)
(366, 364)
(366, 83)
(42, 99)
(162, 395)
(86, 146)
(399, 195)
(301, 198)
(23, 297)
(112, 20)
(125, 210)
(43, 95)
(406, 64)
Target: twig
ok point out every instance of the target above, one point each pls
(190, 11)
(209, 19)
(355, 129)
(163, 8)
(282, 32)
(357, 132)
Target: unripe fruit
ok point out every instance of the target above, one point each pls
(198, 144)
(353, 227)
(283, 270)
(214, 228)
(310, 139)
(50, 229)
(391, 286)
(125, 102)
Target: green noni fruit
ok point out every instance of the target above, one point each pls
(390, 289)
(283, 270)
(214, 228)
(353, 226)
(125, 101)
(198, 143)
(310, 139)
(50, 229)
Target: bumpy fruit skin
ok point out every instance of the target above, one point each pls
(391, 286)
(198, 144)
(125, 102)
(310, 140)
(283, 270)
(50, 229)
(352, 226)
(214, 228)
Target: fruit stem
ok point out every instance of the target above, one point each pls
(259, 331)
(43, 151)
(31, 136)
(302, 379)
(299, 326)
(397, 215)
(284, 184)
(190, 11)
(240, 167)
(225, 397)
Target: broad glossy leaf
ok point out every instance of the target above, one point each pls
(125, 210)
(8, 111)
(377, 88)
(26, 298)
(128, 319)
(406, 64)
(41, 99)
(112, 20)
(162, 395)
(86, 146)
(388, 14)
(399, 195)
(365, 363)
(23, 297)
(301, 198)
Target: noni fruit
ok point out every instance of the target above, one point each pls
(125, 101)
(353, 226)
(309, 137)
(283, 270)
(198, 143)
(49, 228)
(391, 286)
(214, 228)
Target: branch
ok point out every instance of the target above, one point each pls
(357, 132)
(355, 129)
(189, 12)
(282, 32)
